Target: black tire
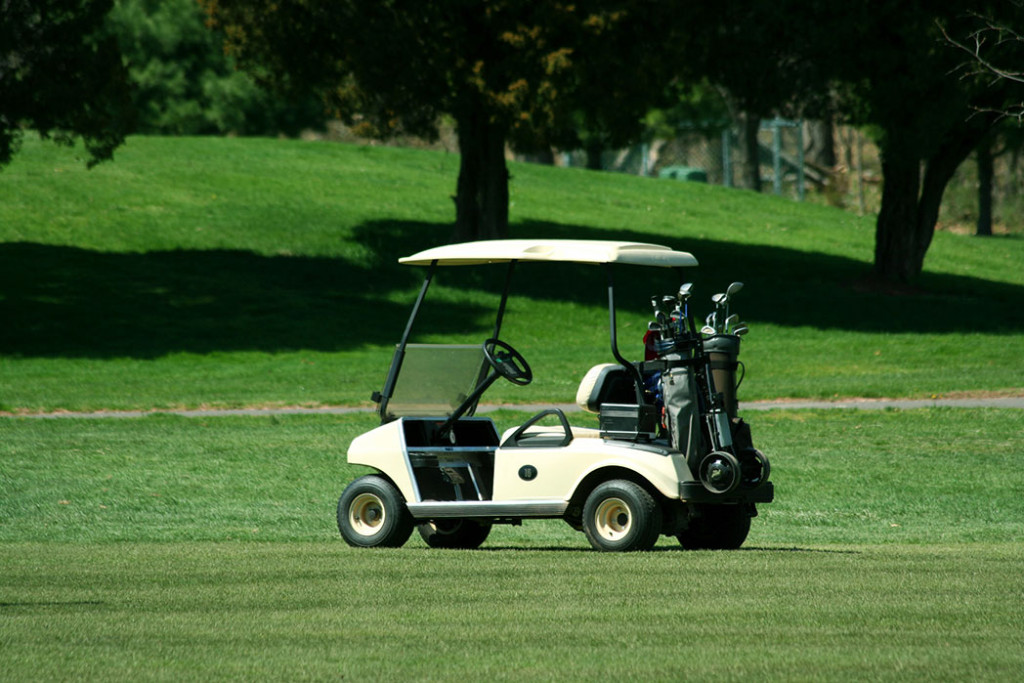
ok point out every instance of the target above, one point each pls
(372, 514)
(465, 534)
(620, 516)
(719, 527)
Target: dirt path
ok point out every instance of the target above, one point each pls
(1015, 402)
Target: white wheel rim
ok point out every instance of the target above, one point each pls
(366, 514)
(612, 519)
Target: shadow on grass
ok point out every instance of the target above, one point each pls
(70, 302)
(782, 286)
(662, 549)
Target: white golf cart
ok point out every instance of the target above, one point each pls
(669, 457)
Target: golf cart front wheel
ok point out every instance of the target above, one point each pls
(372, 513)
(621, 516)
(465, 534)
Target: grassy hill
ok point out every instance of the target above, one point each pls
(235, 272)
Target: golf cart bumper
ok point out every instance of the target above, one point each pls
(694, 492)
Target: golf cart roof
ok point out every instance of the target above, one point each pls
(571, 251)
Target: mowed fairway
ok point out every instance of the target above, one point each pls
(186, 548)
(320, 610)
(238, 273)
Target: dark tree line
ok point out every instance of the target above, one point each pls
(532, 74)
(60, 75)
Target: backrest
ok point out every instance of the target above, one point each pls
(605, 383)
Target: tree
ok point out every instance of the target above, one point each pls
(183, 82)
(507, 71)
(60, 76)
(879, 63)
(993, 50)
(994, 45)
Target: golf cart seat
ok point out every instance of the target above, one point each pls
(605, 383)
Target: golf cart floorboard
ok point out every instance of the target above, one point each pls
(486, 508)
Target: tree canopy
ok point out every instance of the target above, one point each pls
(184, 84)
(877, 63)
(519, 72)
(60, 75)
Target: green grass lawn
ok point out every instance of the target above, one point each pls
(169, 548)
(227, 272)
(230, 272)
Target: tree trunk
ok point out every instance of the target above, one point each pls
(896, 227)
(910, 207)
(595, 152)
(986, 170)
(822, 147)
(481, 200)
(752, 152)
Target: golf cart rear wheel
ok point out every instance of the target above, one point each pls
(372, 513)
(718, 527)
(466, 534)
(621, 516)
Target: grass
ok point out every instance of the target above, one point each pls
(929, 476)
(226, 272)
(262, 272)
(318, 611)
(164, 548)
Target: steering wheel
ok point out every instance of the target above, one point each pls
(508, 362)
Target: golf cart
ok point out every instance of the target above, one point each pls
(670, 456)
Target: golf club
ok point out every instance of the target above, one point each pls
(731, 291)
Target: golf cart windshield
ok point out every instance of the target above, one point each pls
(435, 379)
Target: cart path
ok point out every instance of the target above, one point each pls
(1013, 402)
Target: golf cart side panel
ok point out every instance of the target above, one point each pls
(542, 473)
(383, 449)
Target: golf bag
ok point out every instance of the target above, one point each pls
(682, 412)
(693, 380)
(722, 351)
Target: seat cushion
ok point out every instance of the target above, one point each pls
(605, 383)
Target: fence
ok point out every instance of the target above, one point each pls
(714, 154)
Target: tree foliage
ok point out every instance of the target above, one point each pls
(61, 76)
(184, 84)
(519, 72)
(878, 63)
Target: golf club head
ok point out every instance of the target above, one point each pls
(731, 320)
(685, 291)
(740, 330)
(708, 330)
(733, 288)
(719, 299)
